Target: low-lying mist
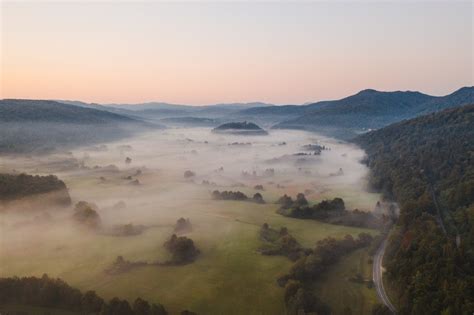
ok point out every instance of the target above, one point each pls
(154, 179)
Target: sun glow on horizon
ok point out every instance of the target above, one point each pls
(205, 53)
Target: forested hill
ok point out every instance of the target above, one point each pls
(43, 126)
(371, 109)
(16, 110)
(427, 165)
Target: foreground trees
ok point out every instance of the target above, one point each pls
(55, 293)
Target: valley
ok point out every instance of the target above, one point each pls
(229, 269)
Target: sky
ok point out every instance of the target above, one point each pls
(220, 52)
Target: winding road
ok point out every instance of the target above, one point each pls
(377, 277)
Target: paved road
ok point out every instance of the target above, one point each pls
(377, 277)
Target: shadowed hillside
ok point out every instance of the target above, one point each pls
(427, 165)
(368, 109)
(36, 125)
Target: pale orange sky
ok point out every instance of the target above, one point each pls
(204, 53)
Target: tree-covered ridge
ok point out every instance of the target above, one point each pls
(370, 109)
(427, 165)
(41, 125)
(17, 186)
(17, 110)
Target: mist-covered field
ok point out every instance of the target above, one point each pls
(142, 181)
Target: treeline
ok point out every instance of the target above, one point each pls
(427, 165)
(14, 186)
(299, 298)
(280, 243)
(236, 195)
(328, 211)
(181, 248)
(55, 293)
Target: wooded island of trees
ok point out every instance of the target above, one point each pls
(15, 186)
(328, 211)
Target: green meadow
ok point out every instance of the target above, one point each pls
(229, 276)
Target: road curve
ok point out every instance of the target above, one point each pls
(377, 277)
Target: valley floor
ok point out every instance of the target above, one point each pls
(229, 276)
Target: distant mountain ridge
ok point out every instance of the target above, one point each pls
(344, 118)
(370, 109)
(18, 110)
(43, 126)
(160, 110)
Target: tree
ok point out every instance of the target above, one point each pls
(141, 307)
(258, 198)
(158, 309)
(182, 249)
(91, 302)
(188, 174)
(119, 307)
(301, 200)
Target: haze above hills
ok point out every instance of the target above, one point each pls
(344, 118)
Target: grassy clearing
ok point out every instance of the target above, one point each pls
(340, 293)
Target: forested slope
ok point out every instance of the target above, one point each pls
(427, 165)
(371, 109)
(39, 125)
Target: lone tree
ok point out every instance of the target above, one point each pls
(258, 198)
(182, 250)
(189, 174)
(86, 214)
(183, 226)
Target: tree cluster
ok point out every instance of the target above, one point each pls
(18, 186)
(55, 293)
(236, 195)
(280, 242)
(328, 211)
(85, 213)
(182, 249)
(120, 265)
(189, 174)
(183, 226)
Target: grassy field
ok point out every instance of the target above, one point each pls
(229, 276)
(228, 271)
(342, 294)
